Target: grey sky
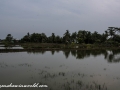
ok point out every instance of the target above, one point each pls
(18, 17)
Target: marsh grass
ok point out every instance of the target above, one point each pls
(68, 46)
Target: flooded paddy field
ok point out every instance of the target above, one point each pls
(61, 70)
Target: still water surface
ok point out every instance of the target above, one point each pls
(13, 47)
(62, 70)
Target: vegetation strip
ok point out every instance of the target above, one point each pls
(110, 38)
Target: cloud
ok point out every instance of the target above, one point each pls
(22, 16)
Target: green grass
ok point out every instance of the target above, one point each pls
(64, 46)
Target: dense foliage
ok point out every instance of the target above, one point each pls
(111, 36)
(82, 36)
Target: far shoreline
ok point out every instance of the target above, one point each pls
(56, 49)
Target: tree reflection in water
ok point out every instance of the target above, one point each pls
(66, 53)
(81, 54)
(111, 56)
(36, 52)
(52, 52)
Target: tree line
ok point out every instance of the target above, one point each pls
(110, 35)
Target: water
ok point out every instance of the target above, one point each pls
(14, 47)
(62, 70)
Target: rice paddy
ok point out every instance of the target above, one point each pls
(61, 70)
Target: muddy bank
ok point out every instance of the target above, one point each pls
(52, 49)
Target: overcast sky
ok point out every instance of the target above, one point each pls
(18, 17)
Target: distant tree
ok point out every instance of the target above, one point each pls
(117, 30)
(106, 33)
(44, 38)
(58, 39)
(66, 37)
(96, 37)
(81, 36)
(53, 37)
(26, 38)
(74, 37)
(111, 31)
(88, 39)
(28, 34)
(103, 38)
(116, 38)
(9, 38)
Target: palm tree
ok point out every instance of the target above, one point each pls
(53, 37)
(66, 36)
(106, 33)
(116, 29)
(111, 31)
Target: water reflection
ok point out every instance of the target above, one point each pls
(52, 52)
(66, 53)
(11, 47)
(36, 52)
(73, 53)
(111, 56)
(53, 69)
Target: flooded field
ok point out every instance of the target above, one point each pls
(62, 70)
(13, 47)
